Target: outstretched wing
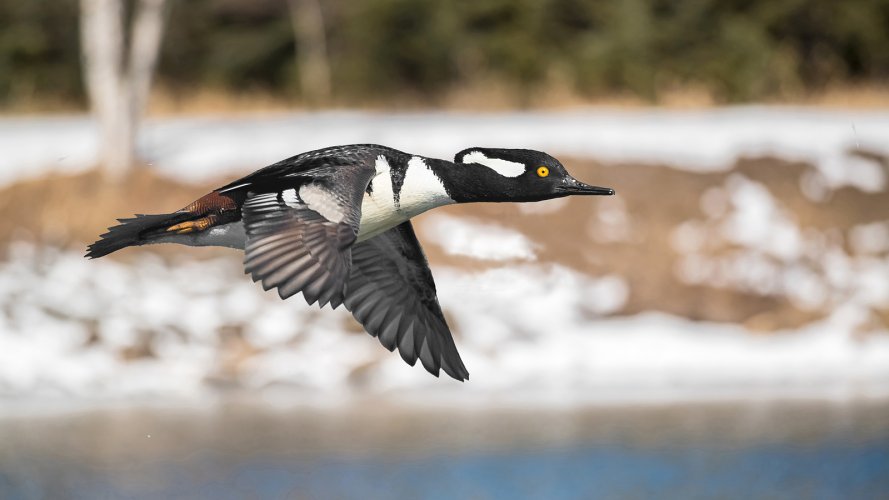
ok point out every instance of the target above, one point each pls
(299, 236)
(391, 292)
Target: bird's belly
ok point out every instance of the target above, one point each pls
(231, 235)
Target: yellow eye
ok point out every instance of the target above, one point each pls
(542, 171)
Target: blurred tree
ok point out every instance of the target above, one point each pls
(38, 54)
(311, 50)
(118, 86)
(396, 47)
(379, 51)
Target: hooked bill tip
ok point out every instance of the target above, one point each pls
(577, 187)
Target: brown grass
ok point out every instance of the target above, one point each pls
(66, 210)
(479, 96)
(496, 96)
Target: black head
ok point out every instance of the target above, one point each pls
(519, 175)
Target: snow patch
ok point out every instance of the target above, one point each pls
(756, 220)
(528, 332)
(481, 241)
(870, 238)
(768, 254)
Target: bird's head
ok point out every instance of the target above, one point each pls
(518, 175)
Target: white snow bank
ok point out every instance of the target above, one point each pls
(528, 332)
(202, 148)
(770, 254)
(483, 241)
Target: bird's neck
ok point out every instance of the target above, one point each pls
(471, 182)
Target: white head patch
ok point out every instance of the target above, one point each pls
(505, 168)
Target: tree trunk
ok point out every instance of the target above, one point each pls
(118, 88)
(148, 30)
(311, 50)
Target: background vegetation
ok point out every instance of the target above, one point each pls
(385, 50)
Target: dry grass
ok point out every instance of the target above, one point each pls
(479, 96)
(209, 100)
(66, 210)
(497, 96)
(862, 97)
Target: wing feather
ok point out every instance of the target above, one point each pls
(292, 247)
(391, 292)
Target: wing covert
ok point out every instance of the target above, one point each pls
(299, 236)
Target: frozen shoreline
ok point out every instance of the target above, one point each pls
(68, 321)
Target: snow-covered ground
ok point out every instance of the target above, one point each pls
(530, 332)
(208, 147)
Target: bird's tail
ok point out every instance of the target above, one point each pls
(138, 230)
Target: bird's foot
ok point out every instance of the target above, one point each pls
(193, 226)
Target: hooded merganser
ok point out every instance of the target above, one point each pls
(334, 224)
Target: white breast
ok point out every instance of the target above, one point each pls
(422, 190)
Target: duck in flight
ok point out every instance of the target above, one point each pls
(334, 224)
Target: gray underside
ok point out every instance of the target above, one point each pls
(230, 235)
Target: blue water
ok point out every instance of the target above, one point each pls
(816, 471)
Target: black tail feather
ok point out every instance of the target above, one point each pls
(135, 231)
